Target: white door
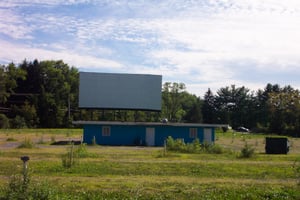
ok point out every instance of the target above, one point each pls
(207, 135)
(150, 136)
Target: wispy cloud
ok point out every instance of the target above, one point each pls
(202, 43)
(21, 52)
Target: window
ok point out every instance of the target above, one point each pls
(193, 132)
(106, 131)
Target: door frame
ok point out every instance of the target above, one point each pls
(150, 136)
(207, 135)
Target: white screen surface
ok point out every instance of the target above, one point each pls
(120, 91)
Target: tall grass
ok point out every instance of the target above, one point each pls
(27, 143)
(74, 154)
(247, 151)
(179, 145)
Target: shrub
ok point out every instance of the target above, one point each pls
(195, 147)
(247, 151)
(41, 140)
(73, 155)
(41, 190)
(69, 159)
(176, 145)
(216, 149)
(205, 146)
(18, 189)
(81, 151)
(53, 139)
(296, 167)
(170, 143)
(11, 139)
(4, 121)
(27, 144)
(18, 122)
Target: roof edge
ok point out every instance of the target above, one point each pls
(148, 123)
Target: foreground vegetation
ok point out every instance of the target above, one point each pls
(102, 172)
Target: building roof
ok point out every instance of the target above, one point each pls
(148, 124)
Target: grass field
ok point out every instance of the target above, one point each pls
(104, 172)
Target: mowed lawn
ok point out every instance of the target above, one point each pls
(105, 172)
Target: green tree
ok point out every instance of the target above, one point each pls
(172, 101)
(9, 76)
(4, 121)
(30, 115)
(262, 107)
(285, 111)
(52, 88)
(209, 107)
(3, 93)
(233, 105)
(191, 104)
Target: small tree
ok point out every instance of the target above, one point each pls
(247, 151)
(69, 159)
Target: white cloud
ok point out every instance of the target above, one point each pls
(29, 3)
(201, 43)
(21, 52)
(268, 40)
(13, 26)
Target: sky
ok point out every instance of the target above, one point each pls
(201, 43)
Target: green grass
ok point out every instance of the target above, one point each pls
(145, 173)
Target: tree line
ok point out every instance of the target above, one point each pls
(45, 94)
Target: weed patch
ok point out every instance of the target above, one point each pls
(247, 151)
(11, 139)
(27, 143)
(73, 154)
(179, 145)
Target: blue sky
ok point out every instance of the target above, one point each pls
(202, 43)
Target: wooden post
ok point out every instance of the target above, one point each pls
(25, 159)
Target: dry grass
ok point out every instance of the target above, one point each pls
(236, 141)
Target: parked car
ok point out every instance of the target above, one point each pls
(242, 129)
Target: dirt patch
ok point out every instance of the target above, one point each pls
(13, 140)
(66, 142)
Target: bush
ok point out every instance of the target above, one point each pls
(18, 189)
(81, 151)
(73, 155)
(4, 121)
(195, 147)
(247, 151)
(18, 122)
(296, 167)
(176, 145)
(27, 144)
(11, 139)
(216, 149)
(69, 159)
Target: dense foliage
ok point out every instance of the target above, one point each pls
(45, 94)
(39, 94)
(273, 110)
